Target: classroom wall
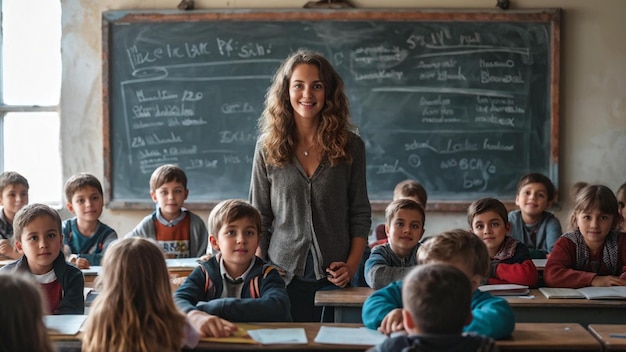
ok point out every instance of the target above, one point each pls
(593, 90)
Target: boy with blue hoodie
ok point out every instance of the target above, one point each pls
(491, 316)
(437, 298)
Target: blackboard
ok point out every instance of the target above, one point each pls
(465, 101)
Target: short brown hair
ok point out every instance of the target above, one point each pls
(411, 188)
(12, 178)
(536, 177)
(28, 214)
(167, 173)
(484, 205)
(438, 297)
(231, 210)
(456, 245)
(80, 181)
(404, 203)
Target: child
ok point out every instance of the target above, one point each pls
(22, 311)
(38, 237)
(595, 253)
(181, 233)
(621, 202)
(410, 189)
(84, 235)
(13, 196)
(234, 285)
(134, 310)
(532, 224)
(510, 259)
(437, 298)
(391, 261)
(491, 316)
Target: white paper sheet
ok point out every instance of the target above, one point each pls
(349, 336)
(67, 324)
(279, 336)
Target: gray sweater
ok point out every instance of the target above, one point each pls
(320, 214)
(384, 266)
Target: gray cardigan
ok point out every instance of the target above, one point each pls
(320, 214)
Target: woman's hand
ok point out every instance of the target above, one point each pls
(339, 274)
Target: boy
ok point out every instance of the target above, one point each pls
(532, 224)
(181, 233)
(13, 196)
(491, 316)
(38, 237)
(389, 262)
(437, 299)
(410, 189)
(84, 235)
(234, 285)
(510, 259)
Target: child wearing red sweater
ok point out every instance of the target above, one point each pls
(510, 259)
(595, 253)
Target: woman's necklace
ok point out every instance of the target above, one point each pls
(306, 150)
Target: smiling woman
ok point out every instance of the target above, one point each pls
(31, 81)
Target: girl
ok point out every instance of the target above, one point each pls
(594, 254)
(134, 310)
(308, 182)
(21, 308)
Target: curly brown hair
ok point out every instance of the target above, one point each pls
(277, 124)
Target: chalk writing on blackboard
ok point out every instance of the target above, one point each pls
(464, 102)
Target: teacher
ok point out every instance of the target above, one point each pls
(309, 183)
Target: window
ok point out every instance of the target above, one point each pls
(30, 88)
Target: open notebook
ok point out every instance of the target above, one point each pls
(612, 292)
(505, 289)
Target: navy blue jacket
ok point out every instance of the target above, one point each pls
(71, 279)
(263, 295)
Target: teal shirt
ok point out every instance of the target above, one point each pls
(491, 316)
(91, 248)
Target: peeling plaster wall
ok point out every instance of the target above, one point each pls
(593, 90)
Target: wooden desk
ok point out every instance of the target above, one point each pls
(347, 302)
(179, 267)
(602, 331)
(526, 337)
(549, 337)
(582, 311)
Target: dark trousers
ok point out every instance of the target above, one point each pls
(302, 298)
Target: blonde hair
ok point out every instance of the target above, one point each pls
(277, 123)
(21, 309)
(454, 246)
(135, 310)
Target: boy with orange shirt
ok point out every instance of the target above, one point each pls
(179, 232)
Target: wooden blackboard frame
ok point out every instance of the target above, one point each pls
(551, 16)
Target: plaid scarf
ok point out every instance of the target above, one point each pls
(507, 249)
(609, 252)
